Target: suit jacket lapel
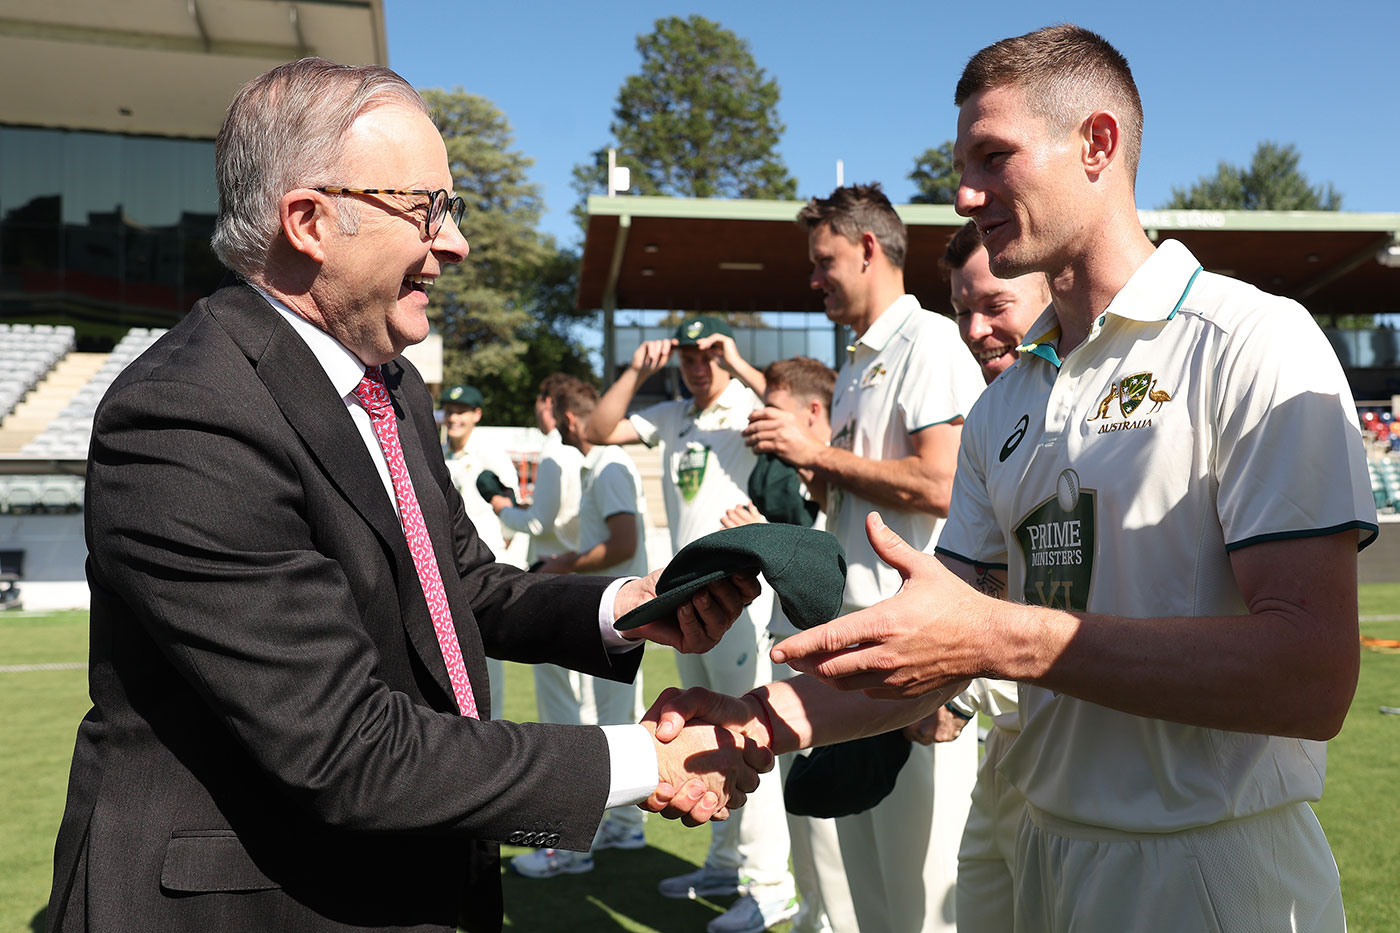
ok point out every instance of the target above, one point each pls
(309, 402)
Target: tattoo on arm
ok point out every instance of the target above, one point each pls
(990, 581)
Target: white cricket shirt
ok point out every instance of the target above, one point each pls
(907, 372)
(551, 518)
(1201, 415)
(611, 486)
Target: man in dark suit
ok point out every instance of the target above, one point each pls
(281, 580)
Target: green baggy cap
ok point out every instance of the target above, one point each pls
(807, 568)
(489, 484)
(775, 489)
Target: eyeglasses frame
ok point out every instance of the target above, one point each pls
(451, 205)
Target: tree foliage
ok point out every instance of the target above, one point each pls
(506, 313)
(934, 178)
(700, 120)
(1271, 182)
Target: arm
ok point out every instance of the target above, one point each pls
(544, 506)
(920, 483)
(1288, 667)
(723, 348)
(608, 424)
(620, 546)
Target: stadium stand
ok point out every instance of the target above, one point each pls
(28, 352)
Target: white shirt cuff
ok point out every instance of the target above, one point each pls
(613, 640)
(632, 763)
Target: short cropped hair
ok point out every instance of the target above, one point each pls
(549, 384)
(286, 130)
(803, 378)
(1067, 72)
(856, 209)
(574, 395)
(961, 246)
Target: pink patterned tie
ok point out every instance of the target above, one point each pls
(375, 398)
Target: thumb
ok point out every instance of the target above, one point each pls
(890, 547)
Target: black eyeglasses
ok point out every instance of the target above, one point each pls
(440, 204)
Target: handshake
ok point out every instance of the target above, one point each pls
(710, 751)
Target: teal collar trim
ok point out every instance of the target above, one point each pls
(1043, 348)
(1184, 293)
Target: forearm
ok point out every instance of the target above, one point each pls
(753, 378)
(908, 484)
(612, 407)
(1276, 672)
(602, 556)
(806, 713)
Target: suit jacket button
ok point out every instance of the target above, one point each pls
(551, 840)
(516, 838)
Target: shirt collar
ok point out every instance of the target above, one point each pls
(878, 334)
(731, 397)
(594, 455)
(1155, 292)
(342, 367)
(1158, 288)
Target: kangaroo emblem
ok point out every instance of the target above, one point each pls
(1107, 399)
(1157, 396)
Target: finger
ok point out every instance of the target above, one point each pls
(704, 810)
(711, 615)
(757, 757)
(692, 629)
(737, 798)
(827, 638)
(891, 548)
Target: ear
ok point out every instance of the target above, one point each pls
(869, 246)
(1103, 141)
(304, 216)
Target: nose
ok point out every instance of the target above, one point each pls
(450, 245)
(978, 326)
(817, 280)
(968, 199)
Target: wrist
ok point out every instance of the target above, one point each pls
(761, 718)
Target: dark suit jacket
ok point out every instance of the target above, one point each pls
(274, 743)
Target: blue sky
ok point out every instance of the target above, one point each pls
(872, 84)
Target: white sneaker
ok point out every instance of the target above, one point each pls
(703, 882)
(617, 836)
(546, 863)
(750, 915)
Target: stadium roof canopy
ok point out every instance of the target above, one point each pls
(164, 67)
(719, 255)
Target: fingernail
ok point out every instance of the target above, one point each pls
(778, 656)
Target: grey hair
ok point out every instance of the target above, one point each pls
(285, 130)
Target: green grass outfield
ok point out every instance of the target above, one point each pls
(40, 709)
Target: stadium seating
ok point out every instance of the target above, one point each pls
(27, 353)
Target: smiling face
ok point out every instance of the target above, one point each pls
(372, 286)
(1023, 182)
(995, 314)
(837, 268)
(703, 375)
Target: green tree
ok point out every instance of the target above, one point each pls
(506, 314)
(700, 120)
(1271, 182)
(934, 177)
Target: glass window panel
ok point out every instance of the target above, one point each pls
(33, 172)
(92, 171)
(765, 347)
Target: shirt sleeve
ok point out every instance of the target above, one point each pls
(941, 381)
(971, 533)
(1289, 457)
(649, 421)
(615, 491)
(544, 507)
(632, 763)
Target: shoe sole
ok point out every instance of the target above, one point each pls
(772, 923)
(553, 874)
(624, 844)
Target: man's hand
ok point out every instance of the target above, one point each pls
(559, 563)
(705, 771)
(500, 502)
(651, 357)
(697, 625)
(943, 726)
(745, 514)
(921, 639)
(772, 430)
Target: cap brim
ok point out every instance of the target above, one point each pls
(666, 604)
